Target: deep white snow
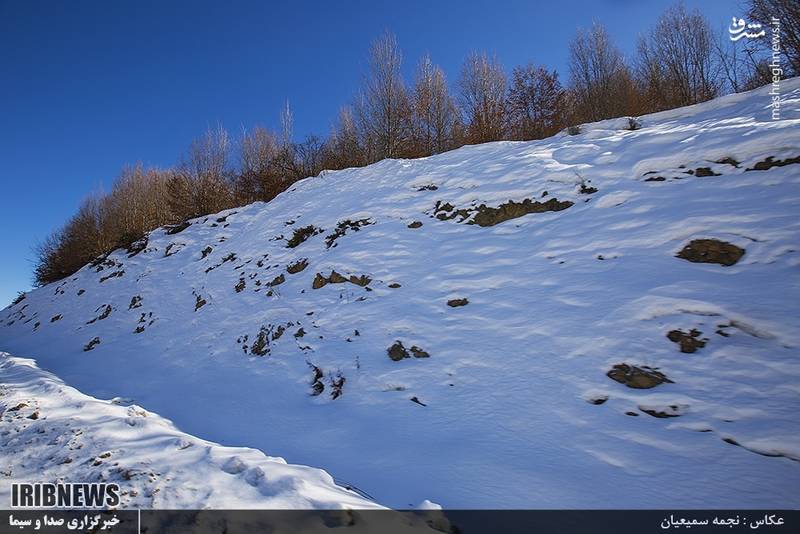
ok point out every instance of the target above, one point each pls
(503, 413)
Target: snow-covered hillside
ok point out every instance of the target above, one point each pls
(624, 334)
(50, 429)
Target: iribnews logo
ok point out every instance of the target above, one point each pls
(65, 495)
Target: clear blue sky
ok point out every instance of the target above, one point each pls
(88, 86)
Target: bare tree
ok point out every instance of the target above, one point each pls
(382, 106)
(343, 148)
(257, 178)
(435, 115)
(483, 86)
(676, 62)
(206, 173)
(786, 13)
(600, 82)
(536, 103)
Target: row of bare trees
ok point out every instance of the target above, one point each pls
(678, 62)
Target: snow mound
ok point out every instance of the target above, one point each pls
(51, 432)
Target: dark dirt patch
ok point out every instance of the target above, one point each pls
(136, 302)
(703, 172)
(261, 344)
(115, 274)
(92, 343)
(597, 400)
(637, 377)
(342, 228)
(771, 162)
(394, 285)
(486, 216)
(688, 342)
(415, 224)
(728, 161)
(240, 285)
(302, 234)
(711, 251)
(297, 266)
(300, 333)
(177, 228)
(229, 257)
(137, 246)
(105, 313)
(55, 318)
(655, 179)
(663, 413)
(455, 303)
(199, 302)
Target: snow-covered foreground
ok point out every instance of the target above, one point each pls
(50, 431)
(503, 401)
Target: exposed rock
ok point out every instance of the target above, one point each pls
(772, 162)
(199, 303)
(688, 342)
(362, 280)
(336, 278)
(397, 352)
(394, 285)
(206, 251)
(112, 275)
(319, 281)
(137, 246)
(711, 251)
(637, 377)
(663, 412)
(419, 353)
(92, 343)
(240, 285)
(486, 216)
(415, 224)
(703, 172)
(55, 318)
(278, 280)
(454, 303)
(177, 228)
(297, 266)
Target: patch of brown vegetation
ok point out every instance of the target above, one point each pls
(302, 234)
(342, 227)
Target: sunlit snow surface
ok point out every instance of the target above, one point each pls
(503, 418)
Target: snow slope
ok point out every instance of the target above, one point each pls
(513, 407)
(52, 432)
